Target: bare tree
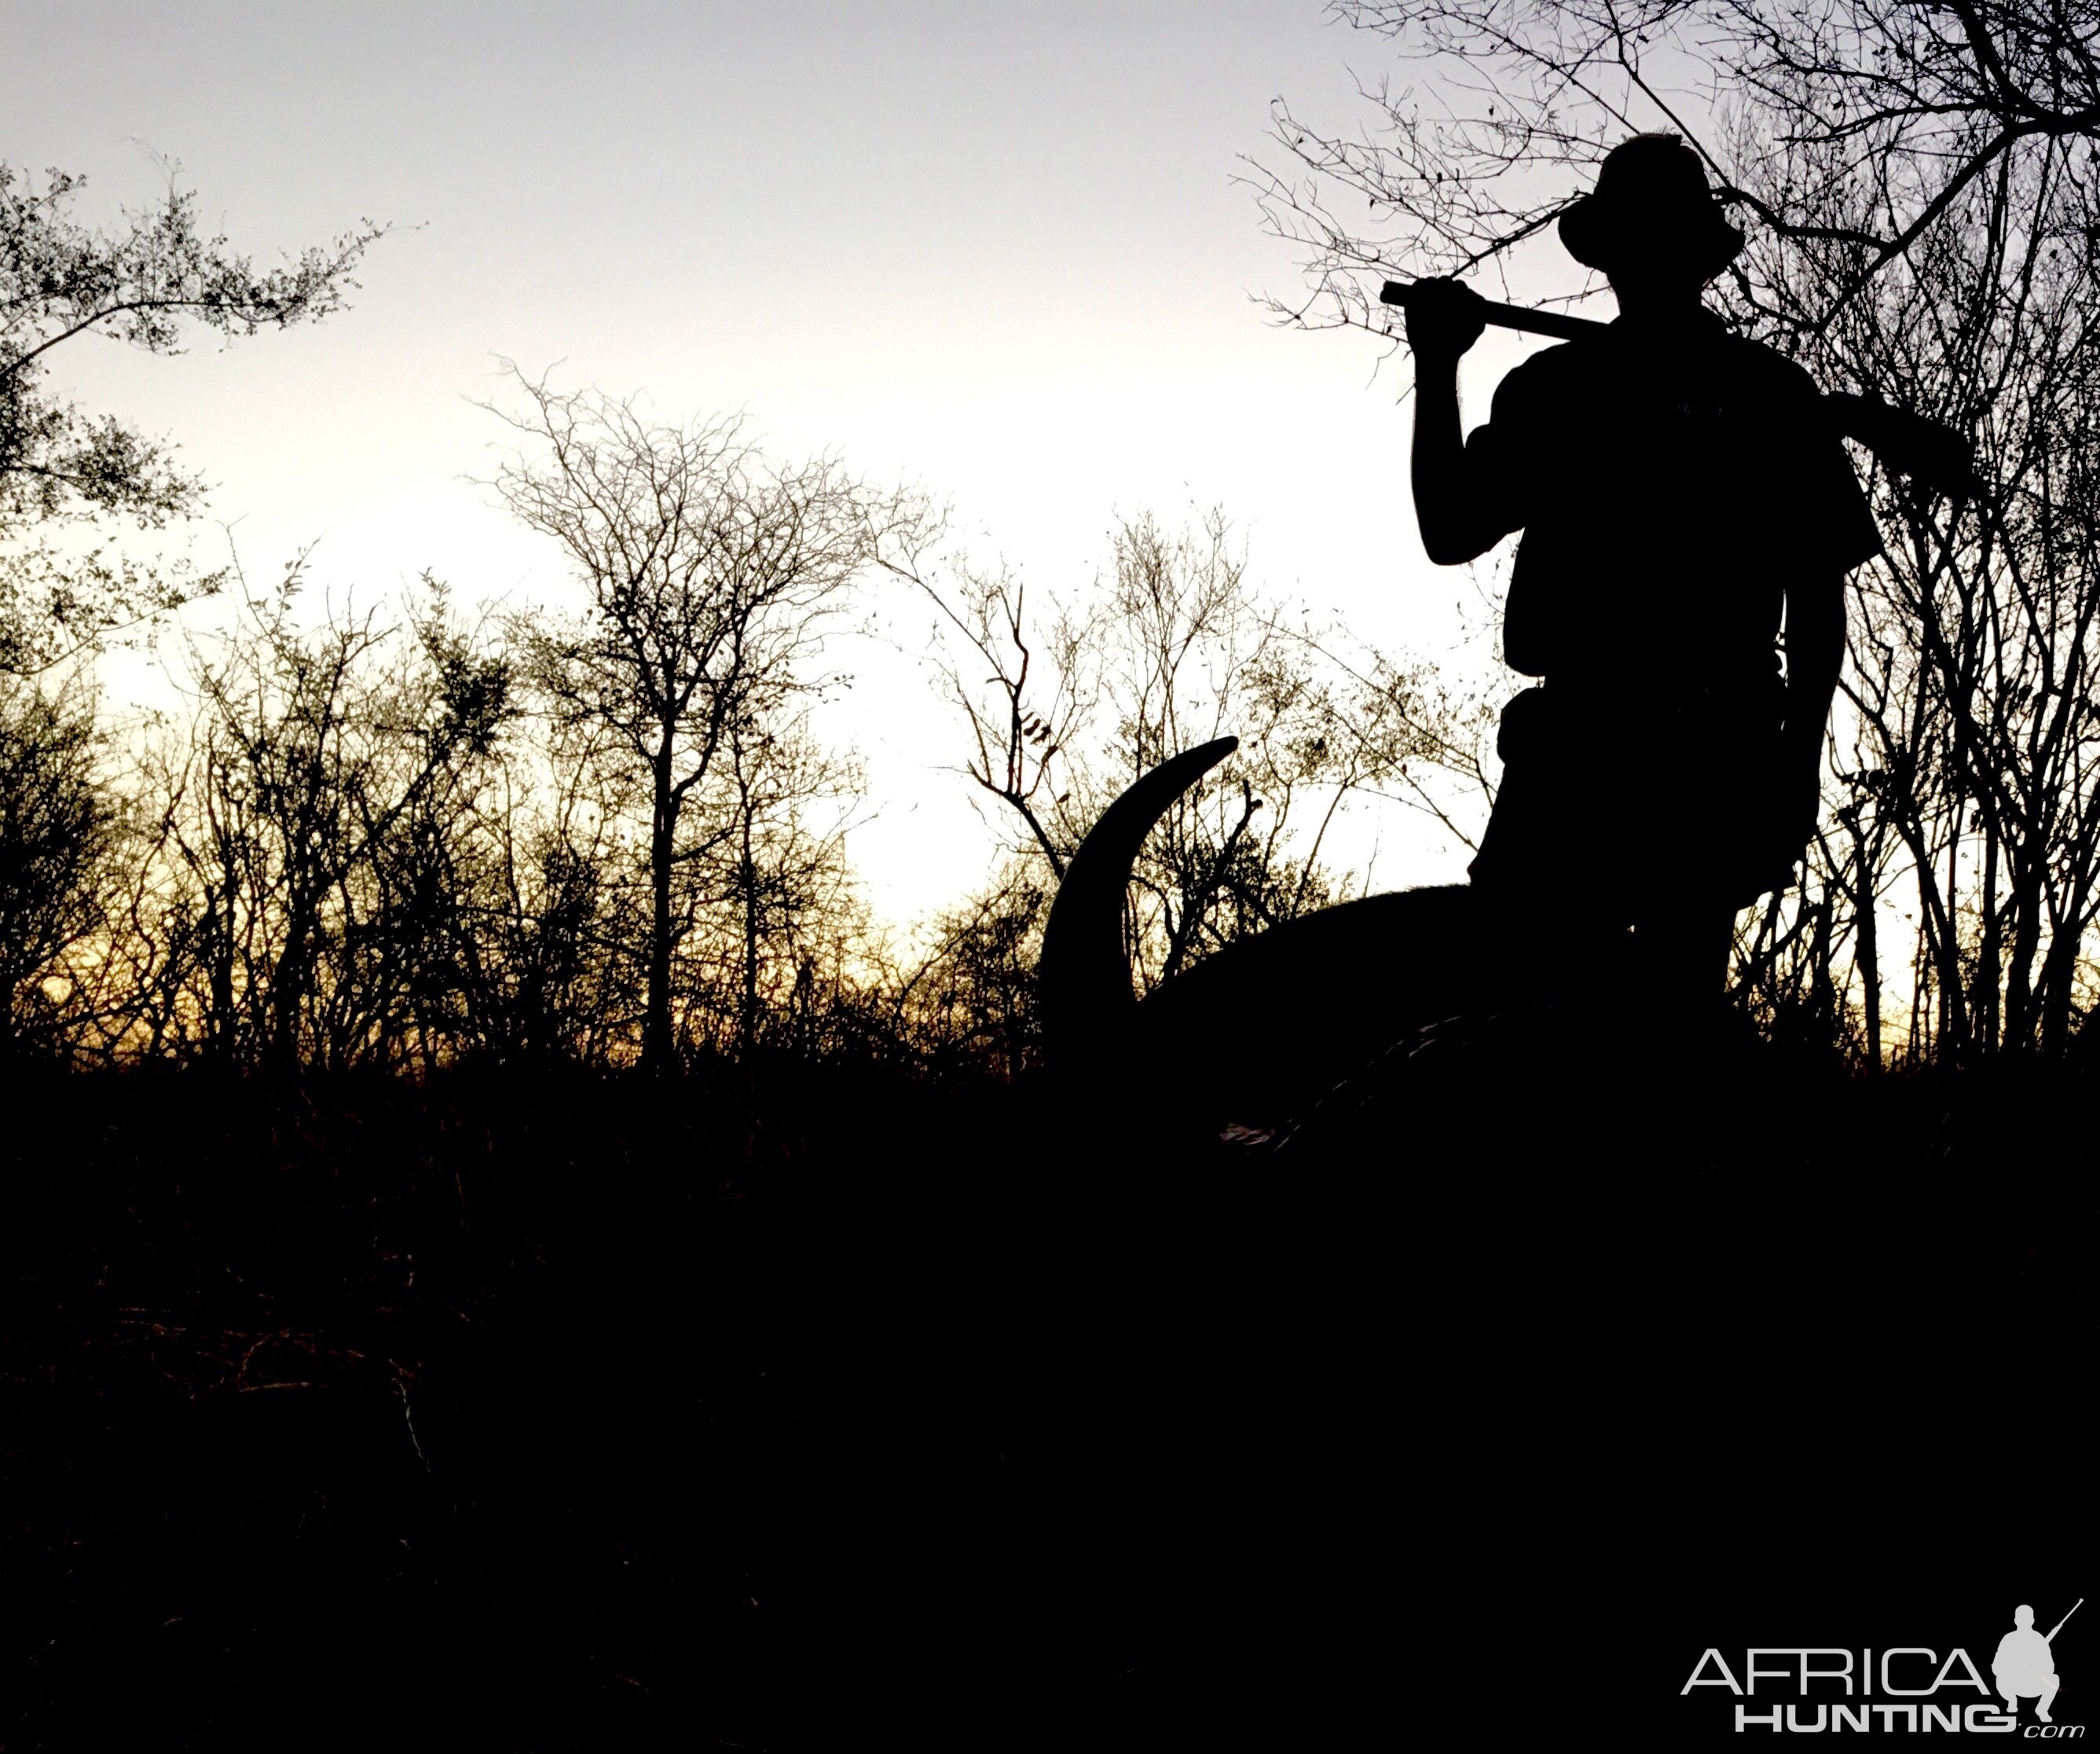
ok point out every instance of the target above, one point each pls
(711, 575)
(313, 813)
(1173, 648)
(555, 932)
(1920, 101)
(782, 866)
(66, 475)
(1973, 716)
(1024, 688)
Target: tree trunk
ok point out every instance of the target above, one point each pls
(1822, 989)
(657, 1055)
(747, 1025)
(1869, 952)
(1990, 1026)
(2028, 877)
(1953, 1015)
(288, 988)
(2058, 968)
(220, 1032)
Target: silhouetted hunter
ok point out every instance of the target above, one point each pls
(1683, 499)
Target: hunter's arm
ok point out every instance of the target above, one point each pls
(1456, 526)
(1814, 651)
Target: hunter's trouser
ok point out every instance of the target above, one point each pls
(1614, 833)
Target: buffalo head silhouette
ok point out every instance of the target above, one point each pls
(1258, 1032)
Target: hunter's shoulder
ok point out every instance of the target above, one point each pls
(1547, 378)
(1561, 361)
(1768, 368)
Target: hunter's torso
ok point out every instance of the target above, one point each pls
(1669, 479)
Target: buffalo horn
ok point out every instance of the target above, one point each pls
(1085, 975)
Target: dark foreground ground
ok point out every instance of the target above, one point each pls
(808, 1409)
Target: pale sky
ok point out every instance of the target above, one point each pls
(992, 248)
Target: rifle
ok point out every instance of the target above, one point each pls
(1933, 455)
(2058, 1626)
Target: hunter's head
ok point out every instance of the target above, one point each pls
(1652, 224)
(2023, 1616)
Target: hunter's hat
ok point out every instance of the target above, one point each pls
(1651, 201)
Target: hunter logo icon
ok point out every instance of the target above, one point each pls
(1907, 1689)
(2025, 1666)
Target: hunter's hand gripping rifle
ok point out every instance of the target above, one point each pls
(1933, 456)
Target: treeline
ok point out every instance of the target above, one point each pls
(405, 839)
(410, 838)
(613, 836)
(377, 840)
(616, 836)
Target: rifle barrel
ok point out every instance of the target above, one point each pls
(1557, 324)
(2058, 1626)
(1929, 452)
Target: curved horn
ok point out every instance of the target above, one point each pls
(1085, 977)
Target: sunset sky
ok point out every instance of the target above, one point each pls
(995, 249)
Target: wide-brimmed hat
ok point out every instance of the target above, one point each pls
(1651, 201)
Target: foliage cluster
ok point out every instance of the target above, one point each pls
(64, 474)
